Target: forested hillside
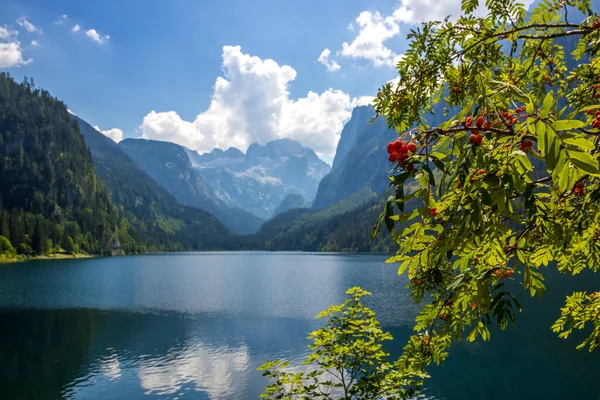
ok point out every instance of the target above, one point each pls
(50, 198)
(346, 226)
(152, 218)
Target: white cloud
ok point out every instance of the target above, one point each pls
(6, 33)
(35, 43)
(251, 104)
(61, 20)
(11, 55)
(115, 134)
(329, 64)
(418, 11)
(96, 37)
(76, 28)
(374, 29)
(28, 26)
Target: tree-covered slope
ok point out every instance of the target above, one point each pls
(50, 198)
(290, 202)
(153, 219)
(345, 226)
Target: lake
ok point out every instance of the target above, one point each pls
(197, 325)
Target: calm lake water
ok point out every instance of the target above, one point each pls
(197, 325)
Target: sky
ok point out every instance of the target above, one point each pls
(208, 74)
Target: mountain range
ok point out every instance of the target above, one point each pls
(260, 180)
(160, 196)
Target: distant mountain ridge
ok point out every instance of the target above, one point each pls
(169, 165)
(260, 180)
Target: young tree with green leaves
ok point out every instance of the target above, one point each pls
(509, 180)
(347, 360)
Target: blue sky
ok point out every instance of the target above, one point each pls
(152, 68)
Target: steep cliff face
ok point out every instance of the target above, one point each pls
(350, 134)
(363, 165)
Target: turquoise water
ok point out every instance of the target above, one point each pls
(196, 326)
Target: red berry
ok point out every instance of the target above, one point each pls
(433, 211)
(469, 121)
(481, 172)
(597, 95)
(526, 145)
(390, 147)
(473, 179)
(578, 190)
(459, 185)
(598, 114)
(480, 121)
(402, 158)
(507, 115)
(596, 123)
(487, 126)
(412, 147)
(590, 111)
(398, 145)
(596, 87)
(393, 157)
(404, 149)
(476, 139)
(410, 167)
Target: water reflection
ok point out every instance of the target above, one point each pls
(198, 326)
(220, 371)
(84, 354)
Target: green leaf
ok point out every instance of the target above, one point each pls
(567, 124)
(585, 162)
(580, 142)
(547, 104)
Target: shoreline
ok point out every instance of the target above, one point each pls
(45, 257)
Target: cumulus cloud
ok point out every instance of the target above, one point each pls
(76, 28)
(35, 43)
(11, 53)
(251, 104)
(96, 37)
(418, 11)
(6, 33)
(115, 134)
(63, 18)
(374, 29)
(329, 64)
(28, 26)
